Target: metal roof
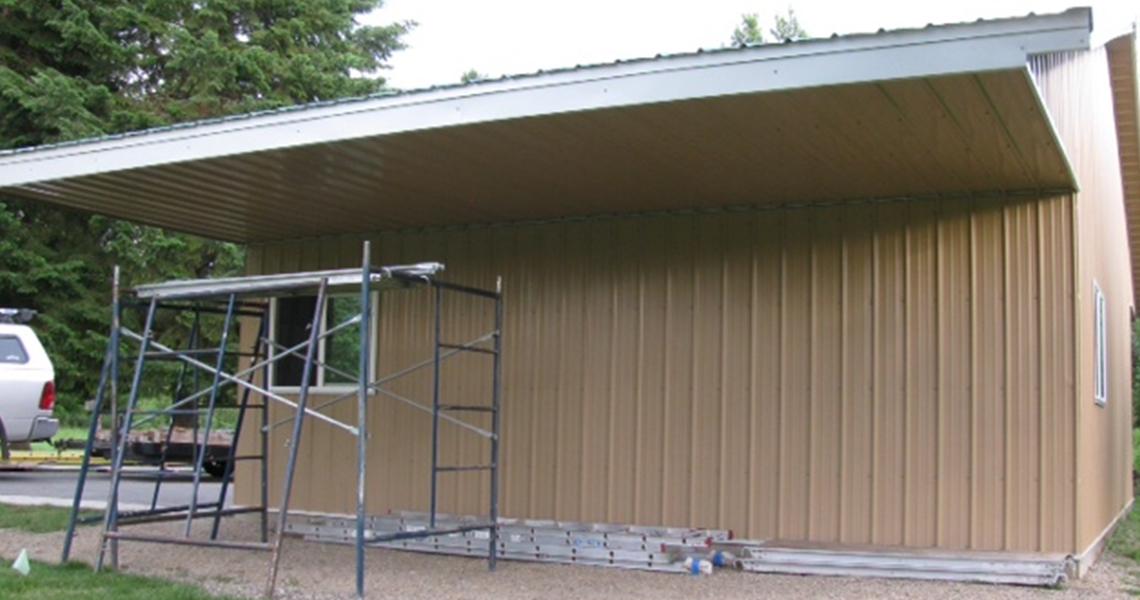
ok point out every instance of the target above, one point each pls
(1124, 74)
(532, 146)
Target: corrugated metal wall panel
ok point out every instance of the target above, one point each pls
(920, 395)
(989, 364)
(1076, 88)
(855, 374)
(953, 377)
(856, 389)
(890, 374)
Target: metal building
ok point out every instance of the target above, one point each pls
(867, 290)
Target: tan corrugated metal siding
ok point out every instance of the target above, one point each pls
(1077, 90)
(891, 373)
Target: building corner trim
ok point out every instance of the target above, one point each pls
(1085, 560)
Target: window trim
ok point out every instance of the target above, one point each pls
(1100, 346)
(320, 387)
(23, 351)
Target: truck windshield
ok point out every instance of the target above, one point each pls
(11, 350)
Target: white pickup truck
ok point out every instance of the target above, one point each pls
(27, 381)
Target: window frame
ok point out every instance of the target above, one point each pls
(1100, 346)
(319, 386)
(21, 346)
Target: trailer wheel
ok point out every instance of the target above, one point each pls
(216, 468)
(5, 451)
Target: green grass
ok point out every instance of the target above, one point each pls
(1136, 449)
(1125, 540)
(75, 580)
(36, 519)
(71, 433)
(64, 433)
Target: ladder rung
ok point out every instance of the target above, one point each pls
(165, 475)
(467, 407)
(176, 354)
(183, 541)
(186, 411)
(466, 348)
(212, 350)
(249, 457)
(171, 411)
(466, 468)
(425, 533)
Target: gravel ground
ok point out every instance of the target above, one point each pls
(319, 571)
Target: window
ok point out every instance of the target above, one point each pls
(12, 351)
(1100, 347)
(338, 353)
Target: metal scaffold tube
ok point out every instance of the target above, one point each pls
(438, 292)
(231, 458)
(366, 362)
(496, 405)
(194, 328)
(243, 299)
(295, 438)
(85, 465)
(111, 513)
(200, 456)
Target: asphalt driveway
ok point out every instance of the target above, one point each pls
(58, 487)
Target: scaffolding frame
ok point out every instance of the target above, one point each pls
(230, 297)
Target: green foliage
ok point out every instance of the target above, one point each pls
(1136, 373)
(785, 28)
(81, 68)
(1125, 540)
(243, 55)
(58, 262)
(87, 67)
(59, 69)
(1136, 450)
(470, 76)
(36, 519)
(77, 581)
(342, 350)
(748, 32)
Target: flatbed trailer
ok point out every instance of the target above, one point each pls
(156, 447)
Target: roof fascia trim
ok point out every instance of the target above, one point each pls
(944, 50)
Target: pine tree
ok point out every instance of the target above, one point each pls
(82, 68)
(785, 28)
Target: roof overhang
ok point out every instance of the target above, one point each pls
(1124, 75)
(935, 111)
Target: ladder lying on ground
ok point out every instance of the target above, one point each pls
(598, 544)
(1047, 570)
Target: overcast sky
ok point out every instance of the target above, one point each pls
(500, 37)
